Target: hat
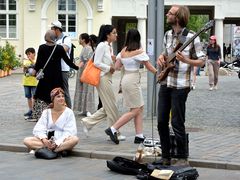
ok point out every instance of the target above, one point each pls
(56, 24)
(213, 37)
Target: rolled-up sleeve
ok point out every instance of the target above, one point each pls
(40, 129)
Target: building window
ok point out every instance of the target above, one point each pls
(8, 19)
(67, 16)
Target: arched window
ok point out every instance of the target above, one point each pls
(67, 16)
(8, 18)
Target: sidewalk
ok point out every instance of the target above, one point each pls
(212, 120)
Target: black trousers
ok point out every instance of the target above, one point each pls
(173, 100)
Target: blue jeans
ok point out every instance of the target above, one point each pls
(173, 100)
(29, 91)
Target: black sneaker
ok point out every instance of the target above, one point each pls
(164, 161)
(113, 137)
(29, 113)
(138, 140)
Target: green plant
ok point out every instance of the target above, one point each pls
(1, 59)
(8, 58)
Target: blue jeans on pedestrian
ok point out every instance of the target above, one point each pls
(29, 91)
(173, 100)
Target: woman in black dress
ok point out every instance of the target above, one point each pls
(52, 72)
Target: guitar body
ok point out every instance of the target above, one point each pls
(165, 70)
(180, 47)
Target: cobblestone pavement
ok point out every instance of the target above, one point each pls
(212, 120)
(24, 166)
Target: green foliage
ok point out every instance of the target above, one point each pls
(8, 58)
(196, 22)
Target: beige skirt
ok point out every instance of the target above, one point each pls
(131, 89)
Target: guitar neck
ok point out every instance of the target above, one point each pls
(172, 57)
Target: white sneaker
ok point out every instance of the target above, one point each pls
(32, 152)
(85, 129)
(211, 88)
(88, 114)
(193, 87)
(121, 137)
(215, 87)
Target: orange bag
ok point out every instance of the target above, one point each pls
(91, 74)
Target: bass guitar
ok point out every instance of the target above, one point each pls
(180, 47)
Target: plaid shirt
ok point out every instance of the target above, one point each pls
(181, 75)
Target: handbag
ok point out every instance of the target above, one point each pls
(91, 74)
(45, 153)
(40, 73)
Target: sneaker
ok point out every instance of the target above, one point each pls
(113, 137)
(181, 162)
(211, 88)
(215, 87)
(85, 129)
(29, 113)
(121, 137)
(30, 119)
(32, 152)
(88, 114)
(164, 161)
(138, 140)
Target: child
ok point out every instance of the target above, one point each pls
(29, 81)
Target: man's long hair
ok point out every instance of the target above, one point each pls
(182, 15)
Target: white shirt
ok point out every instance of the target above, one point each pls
(133, 63)
(68, 43)
(103, 58)
(64, 127)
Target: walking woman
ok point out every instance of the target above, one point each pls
(84, 94)
(214, 56)
(52, 73)
(130, 58)
(104, 60)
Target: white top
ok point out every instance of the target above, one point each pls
(68, 43)
(103, 57)
(133, 63)
(64, 127)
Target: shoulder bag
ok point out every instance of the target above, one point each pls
(91, 74)
(40, 73)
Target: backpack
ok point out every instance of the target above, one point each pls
(71, 55)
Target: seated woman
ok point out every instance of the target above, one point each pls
(57, 121)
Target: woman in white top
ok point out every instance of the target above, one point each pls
(104, 60)
(57, 121)
(130, 58)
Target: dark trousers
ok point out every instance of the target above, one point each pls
(173, 100)
(65, 76)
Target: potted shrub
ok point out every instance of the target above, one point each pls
(9, 58)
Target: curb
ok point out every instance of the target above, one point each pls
(110, 155)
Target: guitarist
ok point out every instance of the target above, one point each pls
(174, 89)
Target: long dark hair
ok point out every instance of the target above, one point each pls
(104, 31)
(93, 41)
(133, 40)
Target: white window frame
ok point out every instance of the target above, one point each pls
(67, 13)
(8, 12)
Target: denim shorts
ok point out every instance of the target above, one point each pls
(29, 91)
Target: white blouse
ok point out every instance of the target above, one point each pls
(103, 57)
(64, 127)
(133, 63)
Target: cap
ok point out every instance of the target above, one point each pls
(56, 24)
(213, 37)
